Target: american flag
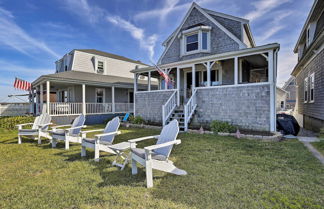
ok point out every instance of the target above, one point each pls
(163, 74)
(22, 85)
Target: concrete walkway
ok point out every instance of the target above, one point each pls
(306, 140)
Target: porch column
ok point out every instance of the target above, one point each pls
(235, 70)
(31, 100)
(135, 82)
(272, 91)
(48, 91)
(113, 99)
(37, 100)
(149, 81)
(178, 86)
(84, 111)
(208, 73)
(41, 98)
(193, 83)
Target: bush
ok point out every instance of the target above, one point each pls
(136, 120)
(219, 126)
(321, 134)
(11, 122)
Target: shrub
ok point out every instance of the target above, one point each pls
(321, 134)
(219, 126)
(136, 120)
(11, 122)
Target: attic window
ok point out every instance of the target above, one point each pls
(100, 68)
(195, 40)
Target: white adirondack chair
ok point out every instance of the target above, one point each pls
(38, 130)
(69, 134)
(156, 156)
(101, 141)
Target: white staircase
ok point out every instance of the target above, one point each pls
(183, 113)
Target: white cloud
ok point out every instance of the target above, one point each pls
(286, 63)
(14, 36)
(146, 42)
(83, 9)
(20, 70)
(169, 7)
(262, 7)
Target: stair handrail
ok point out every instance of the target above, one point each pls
(189, 108)
(169, 107)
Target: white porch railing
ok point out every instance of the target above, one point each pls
(168, 107)
(67, 108)
(189, 108)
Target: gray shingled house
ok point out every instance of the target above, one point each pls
(309, 71)
(218, 73)
(95, 83)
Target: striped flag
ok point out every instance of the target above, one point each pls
(22, 84)
(163, 74)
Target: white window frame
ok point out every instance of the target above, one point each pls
(311, 87)
(96, 61)
(196, 30)
(306, 91)
(104, 95)
(103, 66)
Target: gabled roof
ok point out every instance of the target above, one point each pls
(316, 9)
(110, 55)
(219, 14)
(213, 20)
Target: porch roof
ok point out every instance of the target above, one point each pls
(227, 55)
(76, 77)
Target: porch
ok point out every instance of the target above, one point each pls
(237, 87)
(70, 97)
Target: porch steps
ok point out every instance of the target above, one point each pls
(178, 114)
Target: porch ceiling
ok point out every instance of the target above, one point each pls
(75, 77)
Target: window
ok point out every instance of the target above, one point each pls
(65, 69)
(311, 87)
(306, 90)
(63, 96)
(204, 40)
(282, 105)
(100, 67)
(192, 42)
(100, 95)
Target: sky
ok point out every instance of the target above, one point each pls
(34, 34)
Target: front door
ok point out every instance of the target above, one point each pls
(188, 84)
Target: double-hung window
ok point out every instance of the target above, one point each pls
(100, 95)
(306, 90)
(100, 67)
(311, 87)
(195, 40)
(192, 43)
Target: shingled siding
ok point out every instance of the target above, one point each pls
(245, 106)
(220, 41)
(313, 112)
(148, 105)
(231, 25)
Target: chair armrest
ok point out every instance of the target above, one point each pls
(90, 131)
(24, 124)
(46, 124)
(143, 138)
(152, 147)
(60, 126)
(108, 134)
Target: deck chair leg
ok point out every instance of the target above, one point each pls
(54, 143)
(19, 139)
(96, 157)
(134, 167)
(39, 139)
(149, 173)
(67, 143)
(83, 151)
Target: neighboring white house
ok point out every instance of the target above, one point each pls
(87, 81)
(281, 103)
(218, 73)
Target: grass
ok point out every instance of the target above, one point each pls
(319, 146)
(223, 172)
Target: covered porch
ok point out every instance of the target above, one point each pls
(205, 84)
(75, 93)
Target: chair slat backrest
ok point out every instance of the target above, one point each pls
(36, 122)
(112, 126)
(79, 121)
(46, 119)
(168, 133)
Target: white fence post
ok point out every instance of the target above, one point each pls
(48, 92)
(84, 111)
(113, 98)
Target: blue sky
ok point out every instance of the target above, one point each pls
(34, 34)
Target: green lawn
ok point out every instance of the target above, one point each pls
(223, 172)
(319, 146)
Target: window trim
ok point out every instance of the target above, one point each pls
(103, 67)
(192, 31)
(312, 87)
(103, 96)
(306, 85)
